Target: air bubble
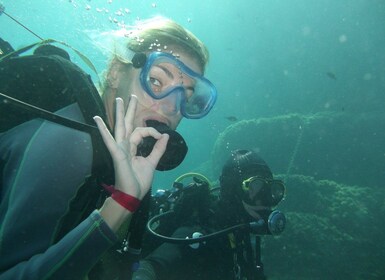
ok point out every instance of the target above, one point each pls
(343, 38)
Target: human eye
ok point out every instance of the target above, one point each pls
(158, 78)
(156, 84)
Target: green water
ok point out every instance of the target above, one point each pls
(268, 59)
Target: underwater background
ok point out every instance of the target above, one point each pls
(302, 82)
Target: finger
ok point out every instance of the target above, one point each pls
(120, 129)
(138, 135)
(130, 114)
(159, 149)
(105, 133)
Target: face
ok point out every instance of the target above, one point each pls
(163, 75)
(253, 194)
(261, 194)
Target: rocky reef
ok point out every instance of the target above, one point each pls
(345, 148)
(334, 231)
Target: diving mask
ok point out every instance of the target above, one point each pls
(165, 76)
(267, 191)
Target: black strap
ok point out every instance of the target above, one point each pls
(259, 270)
(90, 195)
(47, 115)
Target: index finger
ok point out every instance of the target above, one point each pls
(106, 134)
(130, 114)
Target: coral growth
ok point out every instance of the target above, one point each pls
(334, 231)
(327, 145)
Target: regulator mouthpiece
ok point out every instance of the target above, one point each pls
(176, 149)
(272, 223)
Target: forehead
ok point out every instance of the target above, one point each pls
(189, 60)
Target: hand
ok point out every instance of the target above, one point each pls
(133, 174)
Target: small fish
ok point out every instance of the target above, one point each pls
(331, 75)
(232, 118)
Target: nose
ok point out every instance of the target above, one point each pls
(170, 105)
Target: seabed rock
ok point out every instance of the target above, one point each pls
(334, 231)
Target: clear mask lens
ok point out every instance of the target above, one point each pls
(164, 75)
(268, 192)
(171, 103)
(277, 192)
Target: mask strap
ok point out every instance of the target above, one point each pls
(138, 60)
(125, 54)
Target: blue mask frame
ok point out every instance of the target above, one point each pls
(203, 98)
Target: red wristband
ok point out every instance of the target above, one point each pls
(129, 202)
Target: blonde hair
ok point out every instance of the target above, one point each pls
(155, 34)
(158, 33)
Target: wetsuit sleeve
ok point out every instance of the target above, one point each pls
(72, 257)
(42, 167)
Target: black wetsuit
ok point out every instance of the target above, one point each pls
(42, 165)
(214, 259)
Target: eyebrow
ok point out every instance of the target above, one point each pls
(171, 76)
(168, 73)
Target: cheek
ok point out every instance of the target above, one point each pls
(136, 88)
(139, 115)
(130, 85)
(176, 122)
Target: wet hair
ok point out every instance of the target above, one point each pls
(156, 34)
(160, 34)
(241, 165)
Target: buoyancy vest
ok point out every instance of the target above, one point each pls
(37, 85)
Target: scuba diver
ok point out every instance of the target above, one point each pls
(215, 236)
(56, 220)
